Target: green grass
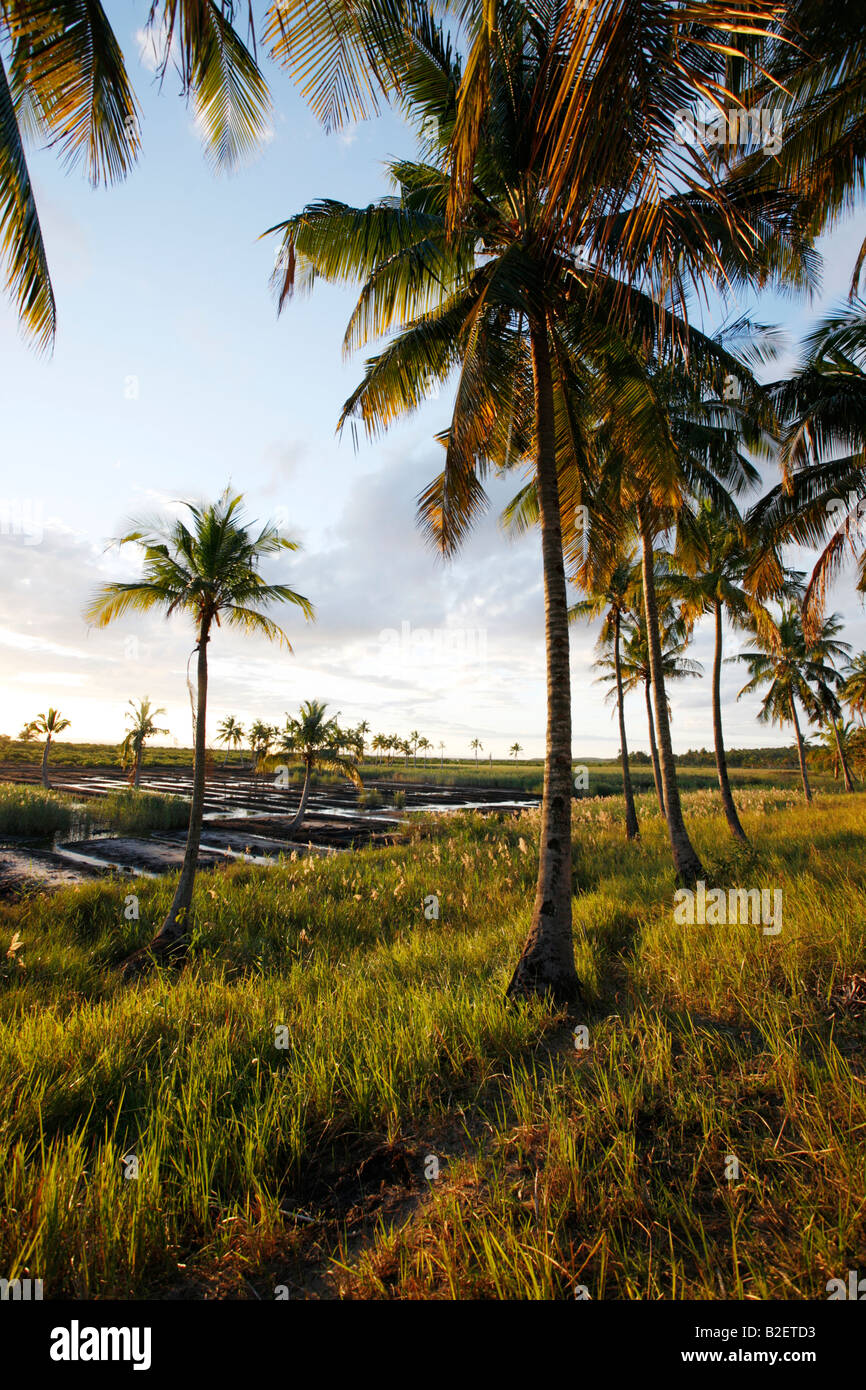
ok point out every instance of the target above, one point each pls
(602, 1167)
(31, 811)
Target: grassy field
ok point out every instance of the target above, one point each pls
(31, 811)
(284, 1096)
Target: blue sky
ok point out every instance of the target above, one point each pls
(171, 375)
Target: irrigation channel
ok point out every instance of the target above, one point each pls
(246, 818)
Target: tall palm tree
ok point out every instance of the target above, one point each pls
(208, 569)
(380, 744)
(414, 741)
(500, 292)
(714, 555)
(612, 601)
(63, 81)
(362, 731)
(790, 670)
(50, 724)
(837, 738)
(478, 747)
(825, 651)
(441, 754)
(230, 732)
(853, 692)
(316, 740)
(515, 751)
(142, 720)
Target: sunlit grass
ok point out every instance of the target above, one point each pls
(602, 1167)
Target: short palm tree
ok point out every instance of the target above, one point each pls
(230, 733)
(209, 570)
(50, 724)
(142, 720)
(316, 740)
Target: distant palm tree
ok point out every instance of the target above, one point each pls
(362, 731)
(613, 600)
(50, 724)
(230, 733)
(379, 744)
(316, 740)
(478, 746)
(714, 552)
(209, 570)
(442, 754)
(837, 739)
(514, 751)
(414, 744)
(789, 669)
(853, 692)
(424, 745)
(143, 726)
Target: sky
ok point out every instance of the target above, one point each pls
(172, 376)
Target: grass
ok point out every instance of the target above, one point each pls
(31, 811)
(602, 1166)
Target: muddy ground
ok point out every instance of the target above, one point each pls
(246, 819)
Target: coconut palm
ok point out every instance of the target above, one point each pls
(713, 554)
(821, 501)
(142, 720)
(853, 691)
(317, 741)
(515, 751)
(50, 724)
(362, 731)
(380, 744)
(636, 672)
(230, 733)
(501, 293)
(63, 80)
(613, 600)
(209, 570)
(478, 747)
(441, 754)
(791, 671)
(414, 743)
(838, 738)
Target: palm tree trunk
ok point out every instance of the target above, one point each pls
(801, 752)
(45, 782)
(730, 808)
(547, 963)
(298, 818)
(686, 861)
(843, 761)
(632, 829)
(173, 936)
(654, 752)
(136, 780)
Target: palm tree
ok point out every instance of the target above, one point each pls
(362, 731)
(230, 733)
(791, 670)
(515, 751)
(50, 724)
(636, 672)
(853, 692)
(612, 601)
(380, 744)
(441, 754)
(825, 650)
(496, 288)
(67, 84)
(478, 746)
(414, 741)
(425, 745)
(837, 739)
(821, 501)
(317, 741)
(714, 553)
(210, 571)
(143, 726)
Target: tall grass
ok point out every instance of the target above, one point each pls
(602, 1167)
(32, 811)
